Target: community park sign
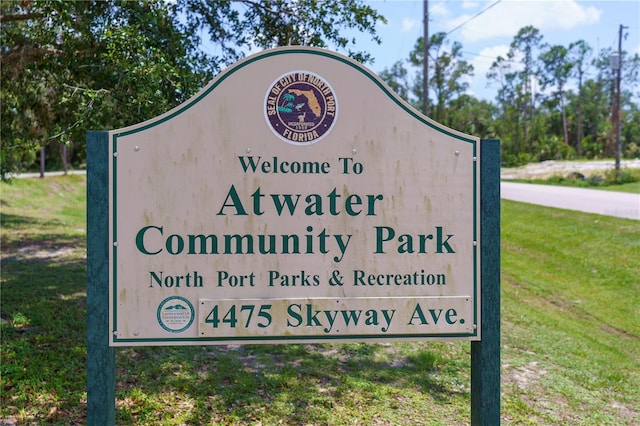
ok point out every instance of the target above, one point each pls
(294, 199)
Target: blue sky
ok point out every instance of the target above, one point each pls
(489, 34)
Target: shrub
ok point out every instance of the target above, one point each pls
(632, 150)
(515, 160)
(591, 148)
(553, 148)
(613, 177)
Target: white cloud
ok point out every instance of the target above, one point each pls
(470, 4)
(481, 64)
(509, 16)
(409, 24)
(439, 10)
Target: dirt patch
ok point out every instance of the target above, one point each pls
(39, 252)
(523, 376)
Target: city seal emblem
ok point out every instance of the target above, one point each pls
(300, 107)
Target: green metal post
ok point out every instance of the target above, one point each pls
(101, 382)
(485, 354)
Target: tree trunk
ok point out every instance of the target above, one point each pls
(63, 154)
(564, 119)
(579, 141)
(42, 151)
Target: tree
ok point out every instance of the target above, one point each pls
(509, 122)
(537, 114)
(601, 110)
(631, 131)
(240, 25)
(447, 69)
(397, 79)
(556, 71)
(630, 88)
(517, 75)
(470, 115)
(595, 112)
(71, 66)
(524, 47)
(579, 53)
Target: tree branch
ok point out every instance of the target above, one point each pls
(20, 52)
(19, 17)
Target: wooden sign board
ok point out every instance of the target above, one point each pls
(294, 199)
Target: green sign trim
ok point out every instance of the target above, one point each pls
(285, 51)
(217, 81)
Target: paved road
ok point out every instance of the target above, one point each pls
(609, 203)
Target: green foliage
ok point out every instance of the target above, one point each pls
(469, 115)
(68, 67)
(569, 116)
(630, 134)
(591, 148)
(236, 26)
(72, 66)
(574, 179)
(397, 79)
(447, 81)
(632, 150)
(623, 180)
(552, 148)
(514, 160)
(622, 176)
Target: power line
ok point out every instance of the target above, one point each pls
(475, 16)
(464, 52)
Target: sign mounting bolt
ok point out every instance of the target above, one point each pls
(353, 151)
(136, 148)
(475, 159)
(115, 333)
(115, 154)
(115, 244)
(248, 150)
(457, 153)
(475, 243)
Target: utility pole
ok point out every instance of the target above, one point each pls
(425, 62)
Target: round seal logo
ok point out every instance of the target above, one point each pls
(300, 107)
(175, 314)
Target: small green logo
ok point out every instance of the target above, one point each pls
(175, 314)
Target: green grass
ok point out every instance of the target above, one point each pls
(633, 187)
(572, 282)
(570, 315)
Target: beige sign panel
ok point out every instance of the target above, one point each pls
(294, 199)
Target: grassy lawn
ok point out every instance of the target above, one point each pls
(632, 187)
(570, 315)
